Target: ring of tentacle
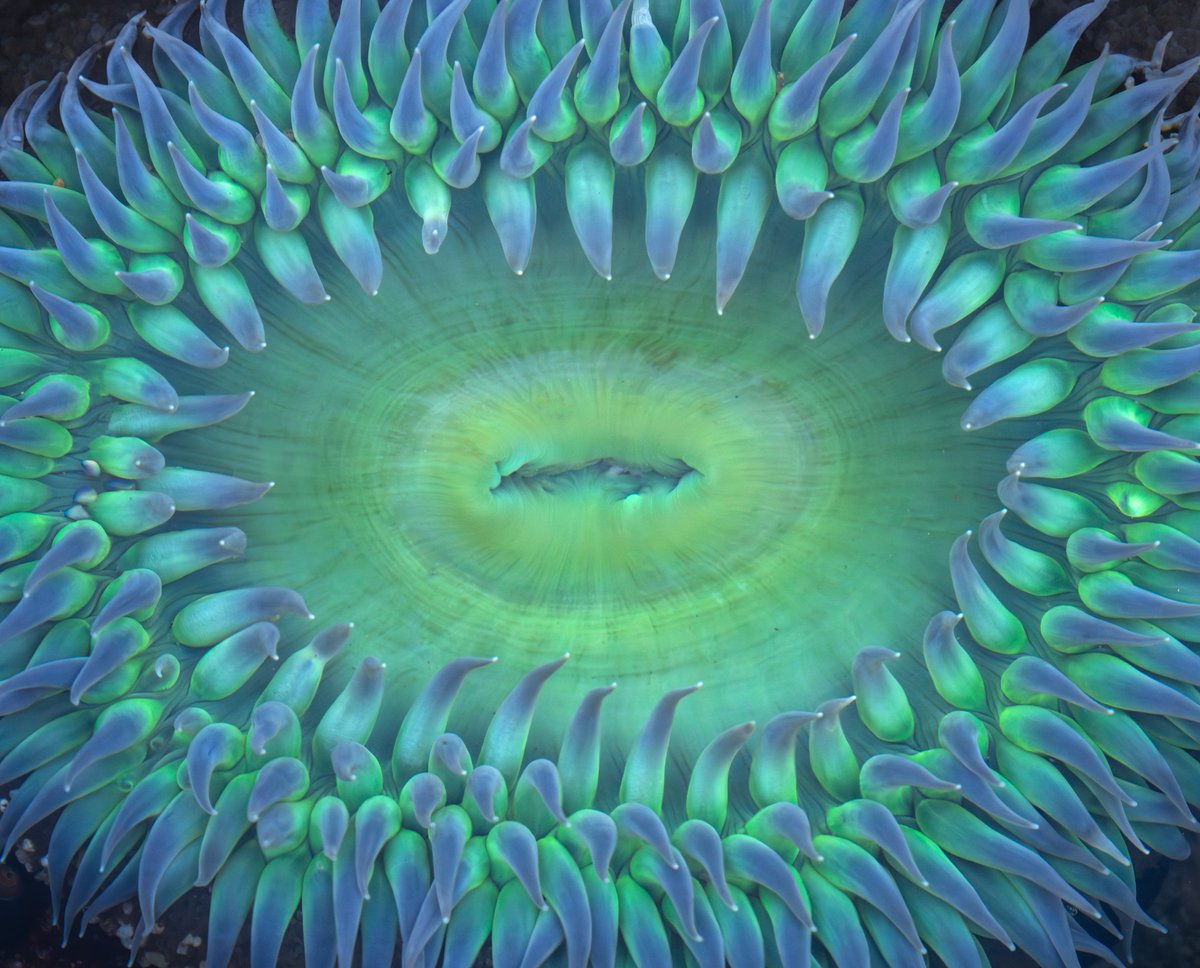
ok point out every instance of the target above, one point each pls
(1045, 221)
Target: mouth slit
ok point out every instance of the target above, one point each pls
(613, 479)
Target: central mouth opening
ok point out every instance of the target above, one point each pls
(610, 479)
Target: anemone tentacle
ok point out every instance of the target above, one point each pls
(921, 172)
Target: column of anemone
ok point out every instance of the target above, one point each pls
(471, 851)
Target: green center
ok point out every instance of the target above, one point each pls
(476, 463)
(622, 484)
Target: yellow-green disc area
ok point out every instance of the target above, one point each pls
(476, 463)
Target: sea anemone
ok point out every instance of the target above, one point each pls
(482, 466)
